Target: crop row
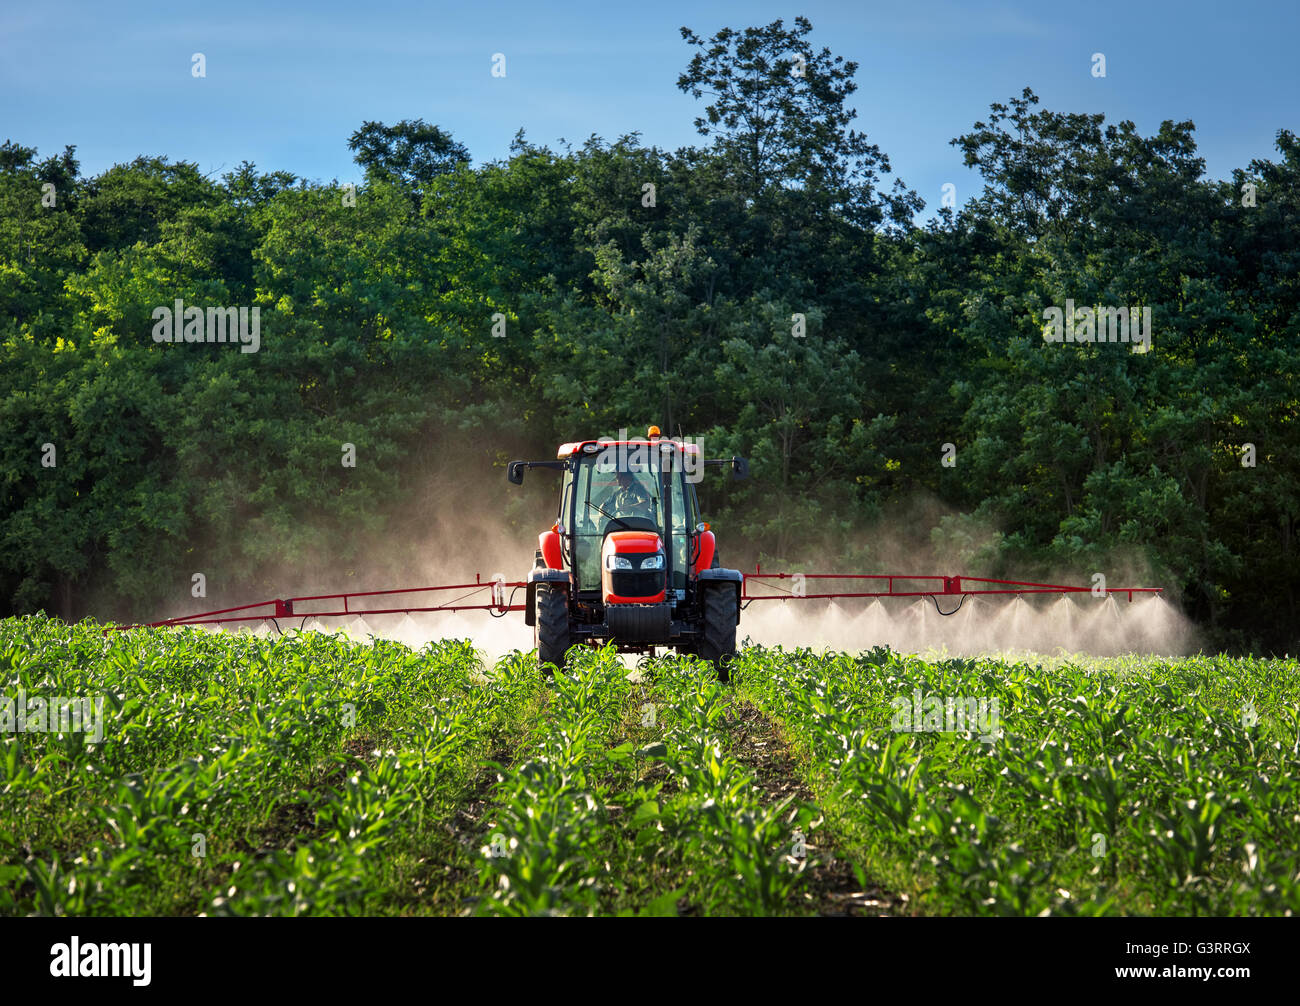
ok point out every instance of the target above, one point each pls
(628, 803)
(1169, 787)
(241, 775)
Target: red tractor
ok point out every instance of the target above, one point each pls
(628, 559)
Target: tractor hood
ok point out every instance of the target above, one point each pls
(632, 568)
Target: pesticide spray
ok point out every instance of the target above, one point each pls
(957, 624)
(1077, 623)
(1070, 624)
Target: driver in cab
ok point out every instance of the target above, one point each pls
(630, 499)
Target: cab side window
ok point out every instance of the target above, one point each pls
(565, 490)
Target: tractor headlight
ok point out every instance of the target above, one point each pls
(617, 562)
(653, 562)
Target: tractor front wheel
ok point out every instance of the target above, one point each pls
(718, 642)
(551, 626)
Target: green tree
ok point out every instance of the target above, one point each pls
(412, 153)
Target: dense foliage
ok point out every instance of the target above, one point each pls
(641, 285)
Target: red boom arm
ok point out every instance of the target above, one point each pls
(498, 605)
(946, 585)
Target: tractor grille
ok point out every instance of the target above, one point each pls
(635, 583)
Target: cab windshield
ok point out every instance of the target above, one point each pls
(620, 495)
(625, 499)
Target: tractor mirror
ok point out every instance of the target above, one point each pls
(739, 468)
(515, 472)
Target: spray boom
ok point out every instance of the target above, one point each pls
(490, 596)
(934, 586)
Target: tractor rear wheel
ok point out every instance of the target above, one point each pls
(718, 641)
(551, 626)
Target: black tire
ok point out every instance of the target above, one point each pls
(718, 642)
(551, 625)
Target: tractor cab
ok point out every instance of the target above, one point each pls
(617, 504)
(628, 556)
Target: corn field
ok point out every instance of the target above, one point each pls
(311, 774)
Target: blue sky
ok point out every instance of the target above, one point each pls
(287, 83)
